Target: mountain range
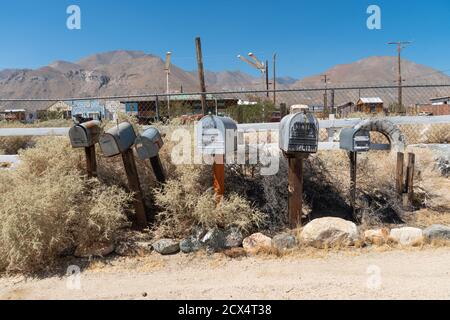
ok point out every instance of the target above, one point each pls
(122, 72)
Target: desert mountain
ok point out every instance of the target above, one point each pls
(135, 72)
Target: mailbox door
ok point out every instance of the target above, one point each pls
(108, 145)
(78, 137)
(210, 135)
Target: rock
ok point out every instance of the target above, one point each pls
(329, 231)
(437, 232)
(407, 236)
(126, 249)
(214, 240)
(376, 237)
(166, 246)
(284, 241)
(98, 249)
(256, 240)
(190, 245)
(233, 238)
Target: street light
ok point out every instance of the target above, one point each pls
(167, 70)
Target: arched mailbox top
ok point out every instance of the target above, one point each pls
(216, 135)
(149, 143)
(299, 133)
(355, 140)
(117, 139)
(86, 134)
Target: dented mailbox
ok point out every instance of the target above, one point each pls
(216, 135)
(299, 133)
(149, 144)
(85, 135)
(355, 140)
(117, 140)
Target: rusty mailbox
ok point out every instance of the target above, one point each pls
(299, 134)
(217, 136)
(86, 135)
(355, 140)
(299, 137)
(147, 147)
(119, 140)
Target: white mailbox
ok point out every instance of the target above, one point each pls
(148, 144)
(299, 133)
(216, 135)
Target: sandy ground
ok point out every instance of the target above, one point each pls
(412, 274)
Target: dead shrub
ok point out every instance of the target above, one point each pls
(49, 207)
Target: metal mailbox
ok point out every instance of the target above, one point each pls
(86, 134)
(148, 144)
(216, 135)
(117, 140)
(355, 140)
(299, 133)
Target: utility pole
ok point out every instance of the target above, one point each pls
(274, 79)
(400, 45)
(201, 74)
(267, 78)
(167, 69)
(325, 79)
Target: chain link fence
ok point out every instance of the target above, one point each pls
(250, 106)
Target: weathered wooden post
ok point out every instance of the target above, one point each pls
(147, 147)
(119, 140)
(298, 137)
(353, 141)
(399, 174)
(217, 137)
(86, 135)
(410, 170)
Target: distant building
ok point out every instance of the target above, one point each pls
(21, 115)
(62, 107)
(437, 107)
(88, 109)
(370, 105)
(344, 110)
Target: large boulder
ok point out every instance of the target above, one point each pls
(166, 246)
(233, 238)
(407, 236)
(437, 232)
(98, 249)
(256, 240)
(190, 245)
(329, 231)
(214, 240)
(284, 241)
(376, 237)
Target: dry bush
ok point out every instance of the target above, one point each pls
(49, 207)
(430, 133)
(12, 145)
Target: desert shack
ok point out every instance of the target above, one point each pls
(370, 105)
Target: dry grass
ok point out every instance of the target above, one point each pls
(48, 207)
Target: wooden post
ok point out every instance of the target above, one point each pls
(399, 174)
(91, 161)
(219, 177)
(410, 178)
(201, 74)
(135, 187)
(158, 169)
(353, 165)
(295, 191)
(158, 116)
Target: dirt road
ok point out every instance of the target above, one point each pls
(412, 274)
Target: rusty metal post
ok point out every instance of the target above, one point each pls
(219, 177)
(353, 165)
(399, 174)
(91, 161)
(295, 190)
(410, 178)
(135, 187)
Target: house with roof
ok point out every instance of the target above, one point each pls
(370, 105)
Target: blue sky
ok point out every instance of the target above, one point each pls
(308, 36)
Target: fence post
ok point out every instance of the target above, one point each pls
(353, 165)
(410, 178)
(91, 161)
(158, 116)
(399, 174)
